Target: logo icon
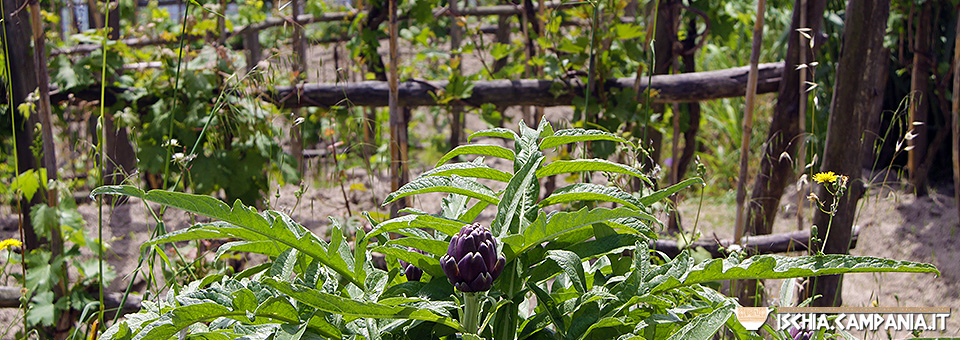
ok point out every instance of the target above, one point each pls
(752, 317)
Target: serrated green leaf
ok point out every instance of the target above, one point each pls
(282, 229)
(568, 136)
(28, 183)
(276, 308)
(550, 305)
(604, 323)
(520, 195)
(347, 307)
(282, 267)
(478, 149)
(435, 247)
(428, 264)
(268, 248)
(547, 227)
(453, 184)
(704, 326)
(571, 265)
(172, 322)
(783, 267)
(590, 192)
(664, 193)
(582, 165)
(495, 132)
(468, 169)
(443, 225)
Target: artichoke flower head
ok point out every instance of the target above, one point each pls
(472, 263)
(413, 273)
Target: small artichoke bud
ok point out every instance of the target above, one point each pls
(471, 262)
(409, 270)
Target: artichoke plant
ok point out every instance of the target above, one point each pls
(471, 263)
(409, 270)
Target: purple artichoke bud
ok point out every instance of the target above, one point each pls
(409, 270)
(800, 335)
(471, 262)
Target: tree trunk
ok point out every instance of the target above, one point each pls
(920, 97)
(665, 48)
(956, 115)
(24, 80)
(858, 72)
(693, 108)
(776, 172)
(693, 120)
(121, 157)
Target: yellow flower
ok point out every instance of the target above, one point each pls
(828, 176)
(9, 243)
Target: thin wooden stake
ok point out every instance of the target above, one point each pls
(299, 68)
(398, 122)
(456, 111)
(751, 95)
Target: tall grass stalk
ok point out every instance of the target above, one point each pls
(176, 96)
(103, 158)
(802, 111)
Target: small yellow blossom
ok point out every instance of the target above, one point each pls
(9, 243)
(828, 176)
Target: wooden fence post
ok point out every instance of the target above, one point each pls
(920, 95)
(858, 70)
(398, 121)
(456, 111)
(24, 81)
(254, 52)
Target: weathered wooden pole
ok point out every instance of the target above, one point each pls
(49, 158)
(776, 171)
(751, 96)
(456, 36)
(858, 71)
(747, 292)
(24, 80)
(398, 120)
(920, 95)
(956, 116)
(299, 68)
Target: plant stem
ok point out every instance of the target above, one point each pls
(471, 312)
(506, 319)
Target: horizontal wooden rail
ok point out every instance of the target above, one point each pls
(759, 244)
(686, 87)
(309, 19)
